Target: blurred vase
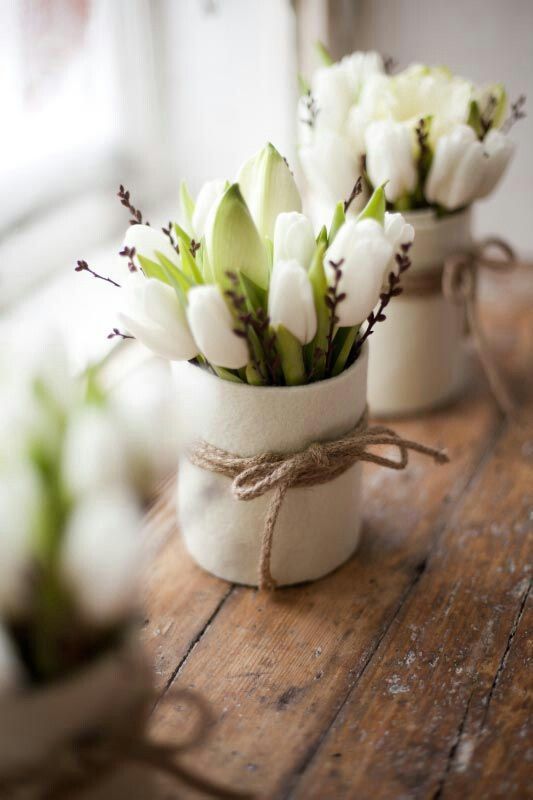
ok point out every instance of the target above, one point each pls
(318, 527)
(42, 731)
(417, 356)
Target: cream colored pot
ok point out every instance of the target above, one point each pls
(417, 357)
(318, 527)
(41, 726)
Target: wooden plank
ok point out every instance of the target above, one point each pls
(277, 669)
(179, 598)
(398, 734)
(493, 753)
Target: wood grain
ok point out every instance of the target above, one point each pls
(401, 675)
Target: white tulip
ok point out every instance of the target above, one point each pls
(498, 150)
(457, 170)
(268, 187)
(290, 300)
(11, 672)
(213, 326)
(360, 67)
(389, 157)
(365, 253)
(154, 315)
(100, 559)
(294, 238)
(147, 242)
(21, 507)
(94, 454)
(398, 231)
(332, 95)
(208, 197)
(331, 168)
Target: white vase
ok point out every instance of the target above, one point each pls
(318, 526)
(40, 726)
(417, 356)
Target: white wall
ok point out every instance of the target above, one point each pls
(486, 40)
(230, 82)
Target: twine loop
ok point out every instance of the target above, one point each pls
(318, 463)
(457, 279)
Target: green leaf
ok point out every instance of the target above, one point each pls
(338, 220)
(234, 243)
(474, 119)
(174, 274)
(349, 336)
(187, 204)
(188, 263)
(226, 374)
(291, 354)
(375, 208)
(322, 237)
(255, 296)
(305, 88)
(181, 234)
(319, 284)
(152, 269)
(323, 54)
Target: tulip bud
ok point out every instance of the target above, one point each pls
(213, 327)
(389, 158)
(11, 671)
(290, 300)
(155, 316)
(364, 254)
(457, 170)
(399, 234)
(100, 558)
(94, 455)
(330, 168)
(294, 238)
(208, 197)
(498, 150)
(233, 241)
(269, 189)
(147, 242)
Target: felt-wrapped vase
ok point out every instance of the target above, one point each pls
(43, 732)
(417, 357)
(318, 526)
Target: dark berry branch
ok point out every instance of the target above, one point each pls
(311, 109)
(82, 266)
(357, 189)
(333, 298)
(517, 113)
(390, 65)
(170, 237)
(238, 302)
(393, 290)
(129, 253)
(116, 332)
(136, 214)
(486, 117)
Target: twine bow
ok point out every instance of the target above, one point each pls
(458, 280)
(82, 764)
(319, 463)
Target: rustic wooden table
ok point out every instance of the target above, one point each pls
(405, 673)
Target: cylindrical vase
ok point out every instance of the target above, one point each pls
(318, 527)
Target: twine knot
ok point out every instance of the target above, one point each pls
(318, 463)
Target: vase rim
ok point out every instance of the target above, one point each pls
(323, 385)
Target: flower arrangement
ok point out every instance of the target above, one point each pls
(69, 521)
(242, 285)
(439, 141)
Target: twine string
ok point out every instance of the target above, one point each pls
(457, 279)
(320, 462)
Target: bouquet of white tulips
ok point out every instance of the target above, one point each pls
(69, 524)
(242, 285)
(438, 140)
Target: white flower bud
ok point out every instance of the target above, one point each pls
(290, 300)
(213, 327)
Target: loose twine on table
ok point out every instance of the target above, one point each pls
(83, 763)
(319, 463)
(457, 279)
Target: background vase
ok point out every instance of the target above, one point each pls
(417, 357)
(318, 527)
